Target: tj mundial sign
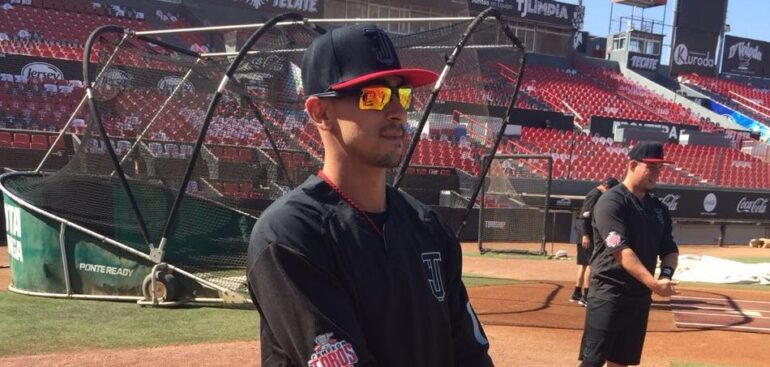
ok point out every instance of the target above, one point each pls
(544, 11)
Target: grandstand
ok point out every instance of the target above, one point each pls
(573, 106)
(57, 30)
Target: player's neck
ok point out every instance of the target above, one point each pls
(634, 188)
(364, 185)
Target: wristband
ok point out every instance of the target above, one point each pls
(666, 272)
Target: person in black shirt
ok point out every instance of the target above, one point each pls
(346, 270)
(585, 246)
(632, 230)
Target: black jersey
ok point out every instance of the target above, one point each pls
(621, 220)
(331, 291)
(586, 213)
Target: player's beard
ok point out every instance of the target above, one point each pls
(391, 158)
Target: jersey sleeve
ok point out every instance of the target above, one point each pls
(586, 212)
(310, 317)
(668, 245)
(610, 223)
(470, 344)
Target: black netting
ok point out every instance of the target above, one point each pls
(152, 102)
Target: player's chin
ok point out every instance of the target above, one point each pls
(389, 160)
(651, 183)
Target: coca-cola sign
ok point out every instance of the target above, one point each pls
(714, 205)
(756, 206)
(671, 201)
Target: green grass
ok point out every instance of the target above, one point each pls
(745, 287)
(35, 325)
(751, 259)
(695, 364)
(506, 256)
(472, 280)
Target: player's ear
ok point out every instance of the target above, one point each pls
(318, 111)
(632, 165)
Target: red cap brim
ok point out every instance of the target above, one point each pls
(657, 160)
(414, 77)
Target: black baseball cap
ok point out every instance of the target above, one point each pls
(648, 152)
(353, 55)
(610, 182)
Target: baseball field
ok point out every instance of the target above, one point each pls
(521, 300)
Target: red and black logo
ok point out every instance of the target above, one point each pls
(330, 352)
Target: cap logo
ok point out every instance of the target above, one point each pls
(382, 48)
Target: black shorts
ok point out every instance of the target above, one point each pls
(583, 255)
(614, 332)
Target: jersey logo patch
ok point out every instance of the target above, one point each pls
(330, 352)
(432, 263)
(613, 239)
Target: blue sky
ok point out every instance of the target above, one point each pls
(747, 18)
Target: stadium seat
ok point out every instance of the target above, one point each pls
(60, 145)
(21, 138)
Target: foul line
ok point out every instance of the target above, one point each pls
(753, 315)
(723, 326)
(720, 299)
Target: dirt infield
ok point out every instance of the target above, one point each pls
(529, 324)
(706, 310)
(5, 272)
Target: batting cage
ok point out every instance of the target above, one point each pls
(182, 151)
(514, 204)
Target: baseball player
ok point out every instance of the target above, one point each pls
(345, 270)
(631, 231)
(586, 245)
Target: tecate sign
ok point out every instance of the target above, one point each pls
(671, 201)
(756, 206)
(683, 56)
(642, 62)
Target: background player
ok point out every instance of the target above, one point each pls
(585, 246)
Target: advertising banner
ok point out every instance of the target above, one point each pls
(30, 66)
(741, 119)
(743, 56)
(683, 203)
(605, 126)
(637, 61)
(543, 11)
(308, 8)
(693, 52)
